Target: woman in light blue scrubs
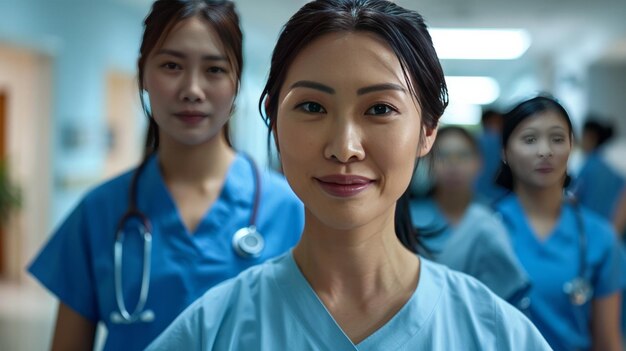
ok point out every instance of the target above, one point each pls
(353, 98)
(457, 230)
(570, 253)
(194, 193)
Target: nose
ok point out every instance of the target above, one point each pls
(192, 87)
(344, 142)
(545, 149)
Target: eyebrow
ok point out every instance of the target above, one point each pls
(312, 85)
(380, 87)
(182, 55)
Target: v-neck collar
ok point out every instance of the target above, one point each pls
(320, 324)
(157, 202)
(519, 218)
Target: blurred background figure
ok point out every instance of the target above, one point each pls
(489, 141)
(460, 232)
(571, 254)
(600, 184)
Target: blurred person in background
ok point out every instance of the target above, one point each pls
(570, 253)
(141, 247)
(489, 142)
(600, 185)
(460, 232)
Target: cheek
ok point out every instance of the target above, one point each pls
(395, 152)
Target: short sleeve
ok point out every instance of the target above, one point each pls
(64, 265)
(611, 276)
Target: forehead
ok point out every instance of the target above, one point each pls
(190, 35)
(350, 59)
(543, 121)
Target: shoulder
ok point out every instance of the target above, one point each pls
(486, 222)
(478, 314)
(598, 226)
(219, 315)
(104, 192)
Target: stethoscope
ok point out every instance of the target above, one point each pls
(247, 243)
(579, 289)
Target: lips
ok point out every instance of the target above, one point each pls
(191, 117)
(544, 168)
(344, 185)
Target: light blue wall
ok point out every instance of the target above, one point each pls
(85, 39)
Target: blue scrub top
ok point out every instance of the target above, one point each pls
(478, 245)
(273, 307)
(490, 146)
(598, 186)
(76, 264)
(555, 261)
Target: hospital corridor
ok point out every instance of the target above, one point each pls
(312, 175)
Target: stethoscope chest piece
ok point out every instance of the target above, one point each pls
(579, 290)
(248, 242)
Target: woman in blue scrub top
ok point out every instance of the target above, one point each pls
(457, 230)
(353, 97)
(194, 189)
(570, 254)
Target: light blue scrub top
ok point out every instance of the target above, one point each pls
(76, 265)
(478, 245)
(273, 307)
(555, 261)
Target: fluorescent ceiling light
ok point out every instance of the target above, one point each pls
(472, 90)
(480, 44)
(460, 113)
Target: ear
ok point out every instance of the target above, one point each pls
(427, 141)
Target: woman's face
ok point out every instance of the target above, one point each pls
(456, 162)
(348, 129)
(538, 150)
(190, 83)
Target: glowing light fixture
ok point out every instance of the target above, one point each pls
(472, 90)
(480, 44)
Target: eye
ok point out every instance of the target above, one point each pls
(530, 139)
(311, 107)
(216, 70)
(171, 66)
(558, 139)
(380, 110)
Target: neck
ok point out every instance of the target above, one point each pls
(453, 203)
(540, 202)
(358, 264)
(194, 163)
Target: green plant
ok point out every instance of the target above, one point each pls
(10, 194)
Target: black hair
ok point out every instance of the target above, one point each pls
(406, 34)
(603, 130)
(163, 16)
(517, 115)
